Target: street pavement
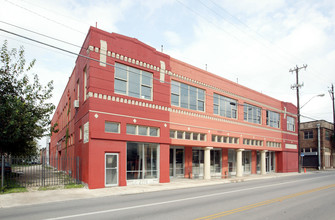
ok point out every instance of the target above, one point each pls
(41, 197)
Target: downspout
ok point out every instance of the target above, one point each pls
(319, 146)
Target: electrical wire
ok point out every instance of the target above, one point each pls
(286, 54)
(86, 57)
(35, 13)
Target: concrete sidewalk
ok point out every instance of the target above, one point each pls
(40, 197)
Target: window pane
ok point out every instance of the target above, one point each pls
(142, 130)
(184, 96)
(154, 132)
(120, 86)
(146, 92)
(131, 129)
(175, 87)
(202, 137)
(222, 107)
(195, 136)
(201, 106)
(216, 99)
(134, 82)
(187, 135)
(150, 161)
(111, 161)
(216, 109)
(120, 71)
(146, 78)
(174, 99)
(228, 109)
(193, 98)
(179, 134)
(201, 94)
(134, 161)
(172, 134)
(111, 127)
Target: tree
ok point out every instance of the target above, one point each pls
(24, 110)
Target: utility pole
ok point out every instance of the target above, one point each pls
(331, 93)
(297, 86)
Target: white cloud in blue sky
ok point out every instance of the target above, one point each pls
(256, 42)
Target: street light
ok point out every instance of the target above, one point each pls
(320, 95)
(299, 147)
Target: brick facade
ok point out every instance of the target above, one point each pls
(309, 146)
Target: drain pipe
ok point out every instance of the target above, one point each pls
(319, 150)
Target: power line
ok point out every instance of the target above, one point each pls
(76, 54)
(26, 9)
(34, 32)
(279, 49)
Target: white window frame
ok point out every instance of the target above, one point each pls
(117, 168)
(178, 84)
(232, 102)
(271, 117)
(248, 113)
(112, 122)
(290, 123)
(127, 69)
(147, 130)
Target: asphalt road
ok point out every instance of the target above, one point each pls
(292, 197)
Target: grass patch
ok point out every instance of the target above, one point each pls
(12, 187)
(14, 190)
(73, 186)
(44, 188)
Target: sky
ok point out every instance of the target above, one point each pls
(254, 43)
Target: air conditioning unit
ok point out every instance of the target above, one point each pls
(76, 103)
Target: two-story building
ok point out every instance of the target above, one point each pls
(316, 144)
(135, 115)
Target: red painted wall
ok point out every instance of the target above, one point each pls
(105, 105)
(164, 157)
(225, 163)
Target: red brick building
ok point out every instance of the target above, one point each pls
(135, 116)
(316, 144)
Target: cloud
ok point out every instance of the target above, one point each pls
(172, 38)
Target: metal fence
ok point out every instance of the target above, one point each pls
(37, 172)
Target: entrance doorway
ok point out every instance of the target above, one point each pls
(198, 163)
(176, 162)
(270, 161)
(216, 163)
(232, 162)
(111, 169)
(246, 161)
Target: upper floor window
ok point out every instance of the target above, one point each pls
(85, 83)
(327, 135)
(273, 119)
(252, 114)
(112, 127)
(133, 82)
(143, 130)
(187, 96)
(224, 106)
(290, 123)
(308, 134)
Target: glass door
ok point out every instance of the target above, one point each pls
(270, 161)
(232, 162)
(246, 162)
(111, 169)
(198, 163)
(216, 156)
(176, 162)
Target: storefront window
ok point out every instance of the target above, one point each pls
(142, 161)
